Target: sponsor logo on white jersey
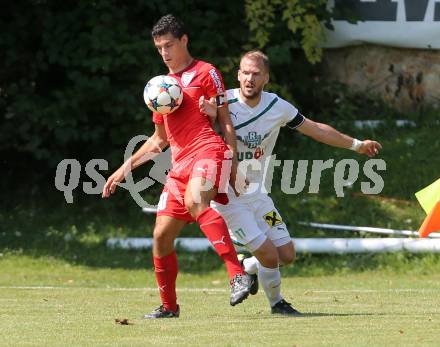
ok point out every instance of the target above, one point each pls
(252, 139)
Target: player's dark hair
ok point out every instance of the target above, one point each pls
(169, 25)
(257, 55)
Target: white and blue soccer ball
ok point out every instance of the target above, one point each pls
(163, 94)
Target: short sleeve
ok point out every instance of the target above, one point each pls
(292, 117)
(213, 83)
(157, 118)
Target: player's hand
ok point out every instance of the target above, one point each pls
(110, 186)
(370, 148)
(241, 182)
(238, 180)
(233, 173)
(233, 180)
(208, 107)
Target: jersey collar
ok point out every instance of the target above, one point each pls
(251, 109)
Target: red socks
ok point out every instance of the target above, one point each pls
(216, 231)
(166, 269)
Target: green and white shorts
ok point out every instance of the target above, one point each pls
(251, 222)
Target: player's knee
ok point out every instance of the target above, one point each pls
(287, 254)
(267, 255)
(288, 258)
(270, 260)
(195, 209)
(163, 241)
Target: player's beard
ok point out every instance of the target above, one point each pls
(254, 94)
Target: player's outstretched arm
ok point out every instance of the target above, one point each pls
(148, 150)
(326, 134)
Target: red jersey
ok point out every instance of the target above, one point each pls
(188, 131)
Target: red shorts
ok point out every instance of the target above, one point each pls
(214, 165)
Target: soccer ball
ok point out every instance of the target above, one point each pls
(163, 94)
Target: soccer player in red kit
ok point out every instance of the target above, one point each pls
(199, 156)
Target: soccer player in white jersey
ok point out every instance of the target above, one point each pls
(252, 219)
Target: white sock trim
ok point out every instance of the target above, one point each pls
(251, 265)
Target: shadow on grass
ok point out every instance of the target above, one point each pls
(100, 256)
(78, 233)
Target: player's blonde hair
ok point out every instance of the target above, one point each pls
(257, 55)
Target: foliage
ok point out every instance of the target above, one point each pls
(73, 72)
(280, 28)
(302, 17)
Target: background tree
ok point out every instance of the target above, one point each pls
(73, 72)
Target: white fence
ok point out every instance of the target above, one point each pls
(305, 245)
(314, 245)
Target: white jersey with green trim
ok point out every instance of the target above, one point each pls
(257, 130)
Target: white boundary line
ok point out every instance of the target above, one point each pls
(220, 290)
(116, 289)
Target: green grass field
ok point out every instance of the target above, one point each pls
(61, 286)
(49, 302)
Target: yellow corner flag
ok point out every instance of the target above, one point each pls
(429, 198)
